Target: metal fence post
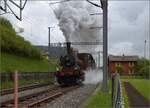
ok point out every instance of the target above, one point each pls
(16, 89)
(113, 88)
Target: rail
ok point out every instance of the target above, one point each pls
(39, 98)
(117, 98)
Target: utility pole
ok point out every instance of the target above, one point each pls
(104, 4)
(20, 10)
(49, 43)
(98, 59)
(145, 49)
(145, 54)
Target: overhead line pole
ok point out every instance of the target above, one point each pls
(145, 49)
(98, 59)
(104, 6)
(20, 9)
(105, 47)
(49, 40)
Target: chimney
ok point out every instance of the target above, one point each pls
(68, 47)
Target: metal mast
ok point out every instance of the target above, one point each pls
(49, 40)
(105, 47)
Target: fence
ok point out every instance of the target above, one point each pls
(25, 78)
(117, 99)
(27, 75)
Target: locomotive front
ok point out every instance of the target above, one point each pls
(71, 72)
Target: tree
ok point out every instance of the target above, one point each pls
(143, 67)
(119, 69)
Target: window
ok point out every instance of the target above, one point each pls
(116, 64)
(129, 64)
(133, 64)
(132, 71)
(129, 72)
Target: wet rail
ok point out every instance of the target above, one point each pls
(51, 95)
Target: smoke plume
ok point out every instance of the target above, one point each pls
(75, 22)
(93, 76)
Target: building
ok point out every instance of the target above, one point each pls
(122, 64)
(55, 51)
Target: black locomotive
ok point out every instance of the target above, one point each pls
(73, 65)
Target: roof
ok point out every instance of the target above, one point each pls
(123, 58)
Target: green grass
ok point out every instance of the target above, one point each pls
(13, 43)
(10, 63)
(100, 100)
(125, 97)
(142, 85)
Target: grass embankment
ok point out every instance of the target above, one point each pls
(101, 99)
(142, 85)
(11, 62)
(18, 53)
(13, 43)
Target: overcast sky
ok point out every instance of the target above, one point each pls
(128, 23)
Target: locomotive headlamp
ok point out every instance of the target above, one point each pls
(76, 68)
(57, 69)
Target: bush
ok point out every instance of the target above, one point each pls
(13, 43)
(143, 67)
(119, 69)
(6, 23)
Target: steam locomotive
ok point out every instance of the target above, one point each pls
(73, 65)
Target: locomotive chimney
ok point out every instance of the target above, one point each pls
(68, 47)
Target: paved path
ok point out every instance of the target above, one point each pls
(136, 100)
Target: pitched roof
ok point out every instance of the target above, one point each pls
(123, 58)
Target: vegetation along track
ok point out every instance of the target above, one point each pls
(37, 99)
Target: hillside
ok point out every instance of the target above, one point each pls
(10, 62)
(19, 54)
(12, 43)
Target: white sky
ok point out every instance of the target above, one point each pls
(128, 23)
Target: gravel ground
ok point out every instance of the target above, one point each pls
(73, 99)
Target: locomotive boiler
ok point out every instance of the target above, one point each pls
(73, 66)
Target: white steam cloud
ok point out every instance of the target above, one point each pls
(93, 76)
(75, 22)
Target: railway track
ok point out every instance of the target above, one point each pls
(38, 99)
(28, 87)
